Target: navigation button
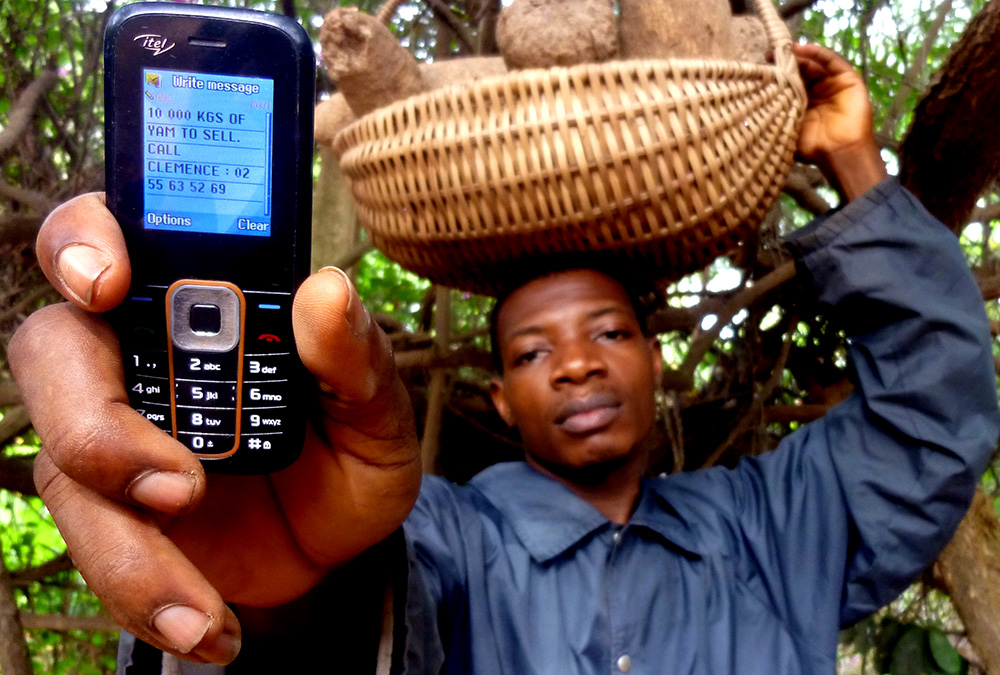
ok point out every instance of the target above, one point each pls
(206, 319)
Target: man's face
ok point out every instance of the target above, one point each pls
(579, 374)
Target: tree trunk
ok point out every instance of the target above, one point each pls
(974, 588)
(14, 657)
(335, 228)
(952, 151)
(949, 157)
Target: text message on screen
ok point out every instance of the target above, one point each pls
(207, 152)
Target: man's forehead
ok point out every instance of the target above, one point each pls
(578, 292)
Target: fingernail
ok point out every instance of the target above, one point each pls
(165, 491)
(357, 316)
(182, 627)
(79, 267)
(222, 650)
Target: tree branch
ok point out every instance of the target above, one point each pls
(14, 657)
(915, 70)
(741, 300)
(15, 420)
(22, 110)
(17, 474)
(792, 7)
(443, 12)
(39, 201)
(19, 228)
(9, 393)
(952, 152)
(800, 188)
(31, 575)
(63, 623)
(26, 301)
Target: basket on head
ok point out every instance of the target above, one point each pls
(667, 162)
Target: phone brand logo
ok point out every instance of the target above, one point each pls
(154, 43)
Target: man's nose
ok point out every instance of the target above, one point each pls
(577, 361)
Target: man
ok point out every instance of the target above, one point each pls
(569, 562)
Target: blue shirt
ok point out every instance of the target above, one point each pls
(743, 571)
(751, 570)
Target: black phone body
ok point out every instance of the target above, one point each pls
(209, 139)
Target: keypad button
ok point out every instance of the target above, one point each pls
(146, 362)
(264, 394)
(266, 367)
(205, 366)
(263, 420)
(157, 413)
(206, 420)
(205, 393)
(207, 443)
(268, 322)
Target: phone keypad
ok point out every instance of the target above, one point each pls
(270, 374)
(219, 401)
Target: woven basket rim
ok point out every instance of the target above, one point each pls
(681, 66)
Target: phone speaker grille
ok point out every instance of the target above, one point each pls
(200, 42)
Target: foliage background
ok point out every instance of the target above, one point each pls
(51, 58)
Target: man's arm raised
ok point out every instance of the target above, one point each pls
(163, 545)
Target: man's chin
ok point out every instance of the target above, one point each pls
(591, 474)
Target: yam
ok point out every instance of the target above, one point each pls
(750, 41)
(366, 61)
(334, 114)
(545, 33)
(662, 29)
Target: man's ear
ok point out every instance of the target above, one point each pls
(656, 354)
(500, 400)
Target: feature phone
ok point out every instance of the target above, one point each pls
(209, 123)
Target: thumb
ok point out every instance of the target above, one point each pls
(352, 360)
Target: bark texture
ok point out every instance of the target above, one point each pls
(952, 151)
(950, 155)
(14, 657)
(969, 569)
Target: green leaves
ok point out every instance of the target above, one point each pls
(909, 649)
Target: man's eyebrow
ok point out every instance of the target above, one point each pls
(604, 311)
(534, 329)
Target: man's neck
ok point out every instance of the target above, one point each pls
(612, 488)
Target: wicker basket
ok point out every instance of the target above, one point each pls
(670, 163)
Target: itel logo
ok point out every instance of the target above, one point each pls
(155, 43)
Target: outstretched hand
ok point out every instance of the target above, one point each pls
(163, 545)
(836, 132)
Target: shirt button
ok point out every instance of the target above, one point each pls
(617, 537)
(624, 663)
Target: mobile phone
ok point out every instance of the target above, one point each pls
(209, 128)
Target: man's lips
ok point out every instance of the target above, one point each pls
(584, 415)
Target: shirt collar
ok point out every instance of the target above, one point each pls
(549, 519)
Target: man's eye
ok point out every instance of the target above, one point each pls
(526, 357)
(615, 335)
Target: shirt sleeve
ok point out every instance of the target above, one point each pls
(870, 494)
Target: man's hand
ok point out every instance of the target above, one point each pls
(163, 545)
(836, 131)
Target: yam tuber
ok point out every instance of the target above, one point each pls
(544, 33)
(750, 41)
(661, 29)
(366, 61)
(334, 114)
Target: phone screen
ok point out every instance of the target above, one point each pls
(207, 141)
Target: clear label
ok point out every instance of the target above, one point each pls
(207, 152)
